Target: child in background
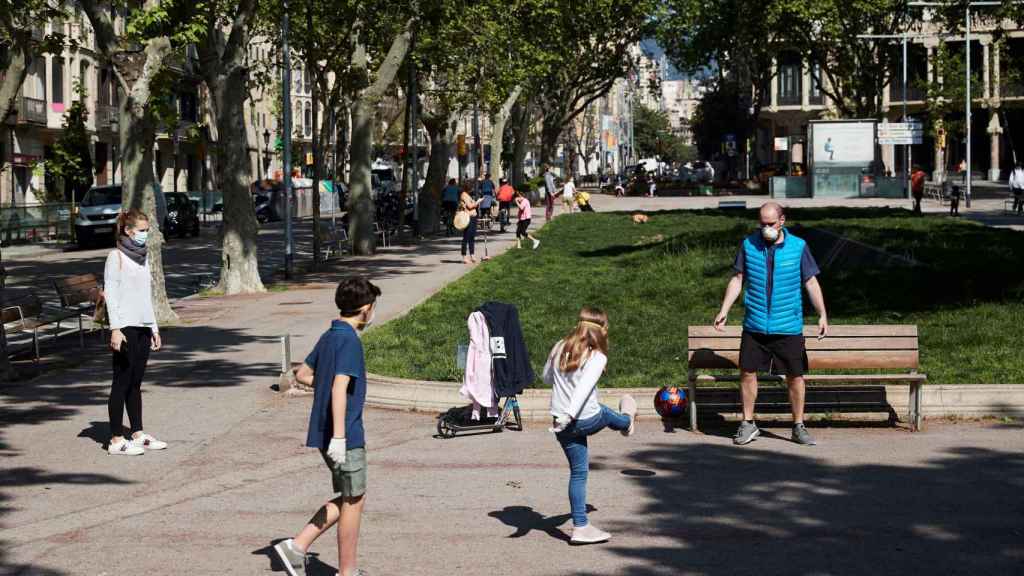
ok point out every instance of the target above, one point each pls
(583, 201)
(523, 225)
(574, 366)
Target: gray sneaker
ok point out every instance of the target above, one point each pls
(802, 436)
(746, 433)
(293, 559)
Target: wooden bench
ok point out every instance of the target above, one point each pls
(867, 347)
(79, 296)
(25, 314)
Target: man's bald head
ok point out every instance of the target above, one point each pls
(772, 210)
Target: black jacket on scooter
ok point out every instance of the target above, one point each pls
(509, 358)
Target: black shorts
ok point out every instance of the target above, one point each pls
(773, 353)
(521, 228)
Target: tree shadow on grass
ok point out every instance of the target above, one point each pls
(722, 510)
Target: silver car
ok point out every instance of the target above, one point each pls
(96, 220)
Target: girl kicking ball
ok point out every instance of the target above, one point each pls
(573, 369)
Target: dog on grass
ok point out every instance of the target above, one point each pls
(639, 218)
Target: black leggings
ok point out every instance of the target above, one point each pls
(521, 228)
(469, 237)
(129, 368)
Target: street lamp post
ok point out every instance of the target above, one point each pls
(176, 142)
(286, 96)
(967, 96)
(266, 154)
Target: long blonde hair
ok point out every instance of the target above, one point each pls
(590, 334)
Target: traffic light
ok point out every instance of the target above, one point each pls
(940, 140)
(460, 142)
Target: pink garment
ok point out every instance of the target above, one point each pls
(525, 211)
(477, 384)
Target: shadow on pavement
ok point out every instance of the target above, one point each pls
(722, 510)
(28, 476)
(525, 519)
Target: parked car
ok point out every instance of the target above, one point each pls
(182, 215)
(97, 215)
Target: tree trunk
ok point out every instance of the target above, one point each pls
(549, 141)
(138, 135)
(136, 75)
(438, 128)
(17, 57)
(522, 144)
(361, 208)
(239, 272)
(498, 122)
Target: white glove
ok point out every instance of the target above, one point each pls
(561, 423)
(336, 450)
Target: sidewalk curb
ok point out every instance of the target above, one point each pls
(938, 401)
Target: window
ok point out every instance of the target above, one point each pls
(35, 82)
(83, 82)
(57, 79)
(307, 119)
(789, 80)
(816, 94)
(305, 80)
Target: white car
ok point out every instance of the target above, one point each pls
(97, 214)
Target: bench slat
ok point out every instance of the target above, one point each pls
(842, 330)
(74, 290)
(829, 378)
(819, 359)
(829, 343)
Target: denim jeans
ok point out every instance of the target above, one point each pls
(574, 443)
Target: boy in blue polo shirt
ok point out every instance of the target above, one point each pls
(337, 369)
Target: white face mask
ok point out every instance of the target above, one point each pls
(370, 318)
(140, 237)
(769, 233)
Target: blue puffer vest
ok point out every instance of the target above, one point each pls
(785, 313)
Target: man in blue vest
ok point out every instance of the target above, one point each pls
(773, 264)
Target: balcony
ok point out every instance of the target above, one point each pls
(31, 111)
(788, 98)
(106, 117)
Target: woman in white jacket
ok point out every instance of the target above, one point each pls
(573, 368)
(127, 290)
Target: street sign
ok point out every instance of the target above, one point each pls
(900, 133)
(781, 144)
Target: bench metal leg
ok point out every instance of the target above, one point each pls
(692, 404)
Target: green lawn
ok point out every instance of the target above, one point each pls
(656, 279)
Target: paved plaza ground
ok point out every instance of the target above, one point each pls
(236, 478)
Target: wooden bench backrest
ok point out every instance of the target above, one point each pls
(76, 290)
(846, 347)
(29, 305)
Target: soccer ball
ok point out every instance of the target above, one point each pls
(670, 402)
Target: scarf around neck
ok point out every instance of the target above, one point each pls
(136, 253)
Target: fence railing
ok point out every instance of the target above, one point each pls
(35, 223)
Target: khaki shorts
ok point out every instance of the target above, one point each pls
(348, 478)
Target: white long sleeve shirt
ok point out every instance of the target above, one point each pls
(128, 292)
(1017, 179)
(574, 393)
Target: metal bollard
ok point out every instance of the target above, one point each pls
(285, 379)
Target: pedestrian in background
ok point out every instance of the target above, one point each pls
(569, 195)
(506, 195)
(917, 177)
(449, 203)
(523, 224)
(468, 203)
(549, 193)
(128, 295)
(1017, 187)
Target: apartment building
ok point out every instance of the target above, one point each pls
(997, 100)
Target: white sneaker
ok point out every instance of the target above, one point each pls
(148, 442)
(535, 244)
(125, 448)
(588, 534)
(627, 405)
